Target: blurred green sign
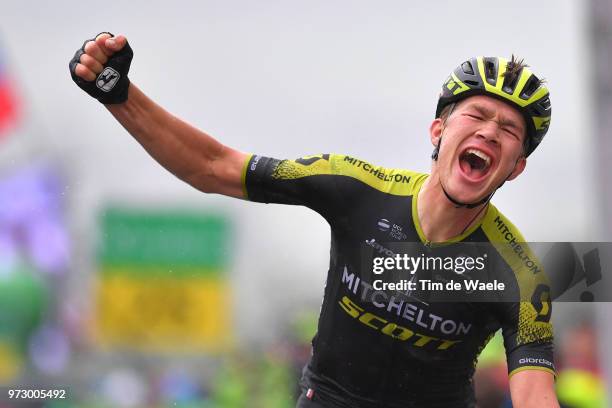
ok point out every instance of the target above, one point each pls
(164, 239)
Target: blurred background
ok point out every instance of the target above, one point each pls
(127, 288)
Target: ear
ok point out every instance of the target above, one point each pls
(435, 131)
(518, 168)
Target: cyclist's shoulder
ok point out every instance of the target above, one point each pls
(498, 228)
(348, 171)
(396, 181)
(511, 244)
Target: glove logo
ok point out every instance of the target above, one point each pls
(107, 79)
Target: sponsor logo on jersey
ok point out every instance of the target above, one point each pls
(541, 303)
(531, 360)
(255, 162)
(308, 160)
(383, 225)
(379, 248)
(395, 230)
(399, 305)
(377, 171)
(517, 247)
(392, 329)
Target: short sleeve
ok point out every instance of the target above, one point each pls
(309, 181)
(526, 320)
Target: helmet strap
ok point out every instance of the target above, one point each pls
(459, 204)
(483, 202)
(436, 152)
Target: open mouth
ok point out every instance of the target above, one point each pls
(475, 164)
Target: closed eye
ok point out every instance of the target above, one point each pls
(474, 116)
(511, 132)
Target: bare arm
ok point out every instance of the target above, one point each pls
(185, 151)
(533, 388)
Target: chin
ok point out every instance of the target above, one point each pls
(468, 195)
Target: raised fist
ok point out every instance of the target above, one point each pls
(100, 67)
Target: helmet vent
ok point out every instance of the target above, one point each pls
(467, 68)
(510, 82)
(532, 85)
(490, 66)
(545, 103)
(472, 83)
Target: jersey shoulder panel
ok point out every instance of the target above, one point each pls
(386, 180)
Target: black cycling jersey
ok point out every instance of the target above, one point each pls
(376, 350)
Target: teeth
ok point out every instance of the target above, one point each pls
(480, 154)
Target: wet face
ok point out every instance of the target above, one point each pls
(482, 146)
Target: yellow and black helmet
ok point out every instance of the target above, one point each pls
(508, 80)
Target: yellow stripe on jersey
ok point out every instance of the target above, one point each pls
(538, 368)
(417, 223)
(245, 166)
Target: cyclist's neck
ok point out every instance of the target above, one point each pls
(439, 218)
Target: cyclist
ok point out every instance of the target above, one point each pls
(373, 349)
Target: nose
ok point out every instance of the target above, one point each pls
(489, 131)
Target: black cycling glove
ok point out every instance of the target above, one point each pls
(111, 85)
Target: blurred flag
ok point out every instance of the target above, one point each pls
(32, 225)
(8, 102)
